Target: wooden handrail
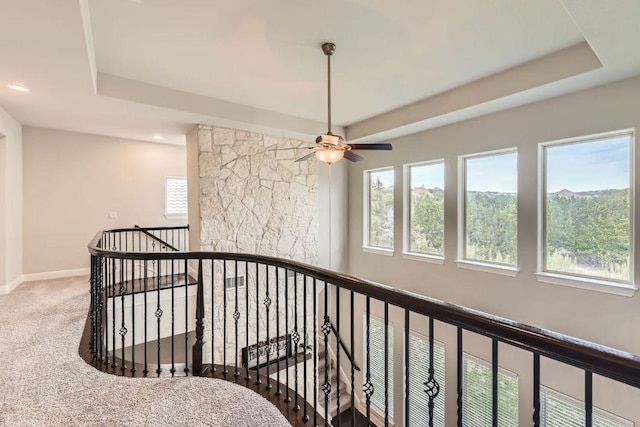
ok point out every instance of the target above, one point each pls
(601, 360)
(346, 351)
(146, 232)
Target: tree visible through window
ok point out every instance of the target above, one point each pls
(559, 410)
(587, 199)
(380, 208)
(491, 208)
(426, 208)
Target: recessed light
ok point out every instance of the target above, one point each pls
(158, 137)
(19, 88)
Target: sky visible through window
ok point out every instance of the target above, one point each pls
(497, 173)
(430, 175)
(386, 177)
(589, 166)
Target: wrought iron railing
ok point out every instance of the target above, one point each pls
(257, 320)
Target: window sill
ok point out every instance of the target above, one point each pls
(614, 288)
(488, 268)
(176, 215)
(434, 259)
(379, 251)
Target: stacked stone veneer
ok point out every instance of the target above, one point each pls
(252, 200)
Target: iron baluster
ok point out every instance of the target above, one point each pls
(315, 351)
(113, 308)
(158, 314)
(295, 336)
(588, 398)
(246, 325)
(459, 377)
(386, 364)
(287, 399)
(536, 390)
(338, 339)
(133, 313)
(267, 304)
(305, 344)
(213, 310)
(353, 361)
(236, 317)
(494, 382)
(326, 330)
(407, 407)
(186, 318)
(367, 387)
(225, 371)
(173, 318)
(145, 371)
(258, 381)
(278, 391)
(123, 329)
(432, 387)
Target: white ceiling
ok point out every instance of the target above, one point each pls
(135, 68)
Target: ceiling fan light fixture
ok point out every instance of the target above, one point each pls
(329, 155)
(329, 139)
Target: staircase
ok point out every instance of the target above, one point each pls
(337, 385)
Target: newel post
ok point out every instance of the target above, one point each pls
(197, 347)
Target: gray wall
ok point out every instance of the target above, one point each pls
(71, 183)
(604, 318)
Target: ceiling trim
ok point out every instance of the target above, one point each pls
(473, 97)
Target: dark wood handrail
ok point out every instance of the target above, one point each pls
(146, 232)
(601, 360)
(346, 351)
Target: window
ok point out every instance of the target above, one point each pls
(378, 218)
(477, 396)
(176, 197)
(235, 282)
(559, 410)
(424, 208)
(489, 211)
(376, 354)
(587, 198)
(418, 375)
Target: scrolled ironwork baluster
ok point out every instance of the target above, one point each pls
(367, 387)
(326, 330)
(267, 304)
(113, 312)
(123, 329)
(236, 317)
(287, 398)
(158, 315)
(432, 388)
(305, 344)
(295, 336)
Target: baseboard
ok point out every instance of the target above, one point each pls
(55, 274)
(5, 289)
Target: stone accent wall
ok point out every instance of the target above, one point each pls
(252, 200)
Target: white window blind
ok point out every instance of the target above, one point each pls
(418, 375)
(176, 196)
(376, 352)
(559, 410)
(477, 396)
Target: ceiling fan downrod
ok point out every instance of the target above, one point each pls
(329, 49)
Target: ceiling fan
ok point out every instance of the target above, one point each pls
(330, 148)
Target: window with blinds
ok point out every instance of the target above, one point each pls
(176, 197)
(560, 410)
(477, 396)
(418, 375)
(376, 352)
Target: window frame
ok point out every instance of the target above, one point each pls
(174, 215)
(366, 203)
(462, 261)
(611, 286)
(406, 209)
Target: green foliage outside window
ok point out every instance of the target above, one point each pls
(380, 211)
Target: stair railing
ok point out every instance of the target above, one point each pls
(245, 318)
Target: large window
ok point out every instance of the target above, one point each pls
(477, 396)
(587, 195)
(379, 208)
(376, 354)
(490, 208)
(418, 375)
(559, 410)
(424, 208)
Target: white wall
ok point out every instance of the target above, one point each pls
(73, 180)
(606, 319)
(10, 202)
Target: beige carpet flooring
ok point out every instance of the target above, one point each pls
(44, 382)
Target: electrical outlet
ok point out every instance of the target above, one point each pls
(113, 215)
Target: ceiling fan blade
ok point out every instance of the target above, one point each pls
(352, 156)
(291, 148)
(377, 146)
(306, 157)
